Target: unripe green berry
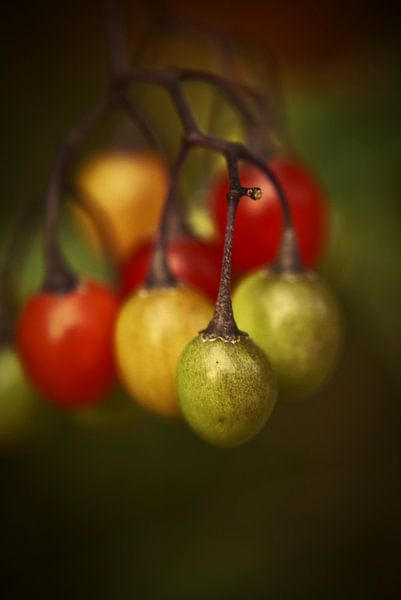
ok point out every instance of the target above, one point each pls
(22, 416)
(296, 320)
(226, 390)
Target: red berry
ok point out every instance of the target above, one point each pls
(259, 224)
(65, 342)
(191, 260)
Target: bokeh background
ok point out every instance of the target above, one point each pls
(128, 507)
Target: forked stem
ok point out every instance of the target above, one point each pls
(59, 277)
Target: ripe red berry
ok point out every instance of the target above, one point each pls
(65, 343)
(259, 225)
(191, 260)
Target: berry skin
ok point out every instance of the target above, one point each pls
(123, 192)
(226, 390)
(65, 342)
(152, 329)
(296, 321)
(21, 414)
(259, 225)
(192, 261)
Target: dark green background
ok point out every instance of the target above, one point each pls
(309, 509)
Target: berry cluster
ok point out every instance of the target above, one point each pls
(76, 336)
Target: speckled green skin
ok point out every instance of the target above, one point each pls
(296, 321)
(226, 391)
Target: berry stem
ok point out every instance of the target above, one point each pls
(119, 54)
(288, 259)
(160, 274)
(223, 325)
(192, 137)
(239, 100)
(59, 278)
(146, 130)
(120, 68)
(172, 79)
(13, 261)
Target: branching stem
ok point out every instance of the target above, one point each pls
(59, 278)
(160, 274)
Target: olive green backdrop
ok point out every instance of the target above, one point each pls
(311, 508)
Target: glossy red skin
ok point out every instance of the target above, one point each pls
(191, 260)
(65, 343)
(259, 224)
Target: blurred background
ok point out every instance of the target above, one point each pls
(122, 504)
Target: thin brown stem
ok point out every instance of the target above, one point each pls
(160, 274)
(59, 278)
(288, 259)
(171, 79)
(167, 23)
(119, 54)
(236, 97)
(100, 221)
(12, 263)
(223, 322)
(223, 325)
(147, 131)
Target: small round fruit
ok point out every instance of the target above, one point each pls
(152, 329)
(259, 225)
(21, 414)
(65, 342)
(192, 261)
(226, 390)
(296, 321)
(124, 192)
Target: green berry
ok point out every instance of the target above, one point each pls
(296, 320)
(226, 390)
(22, 416)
